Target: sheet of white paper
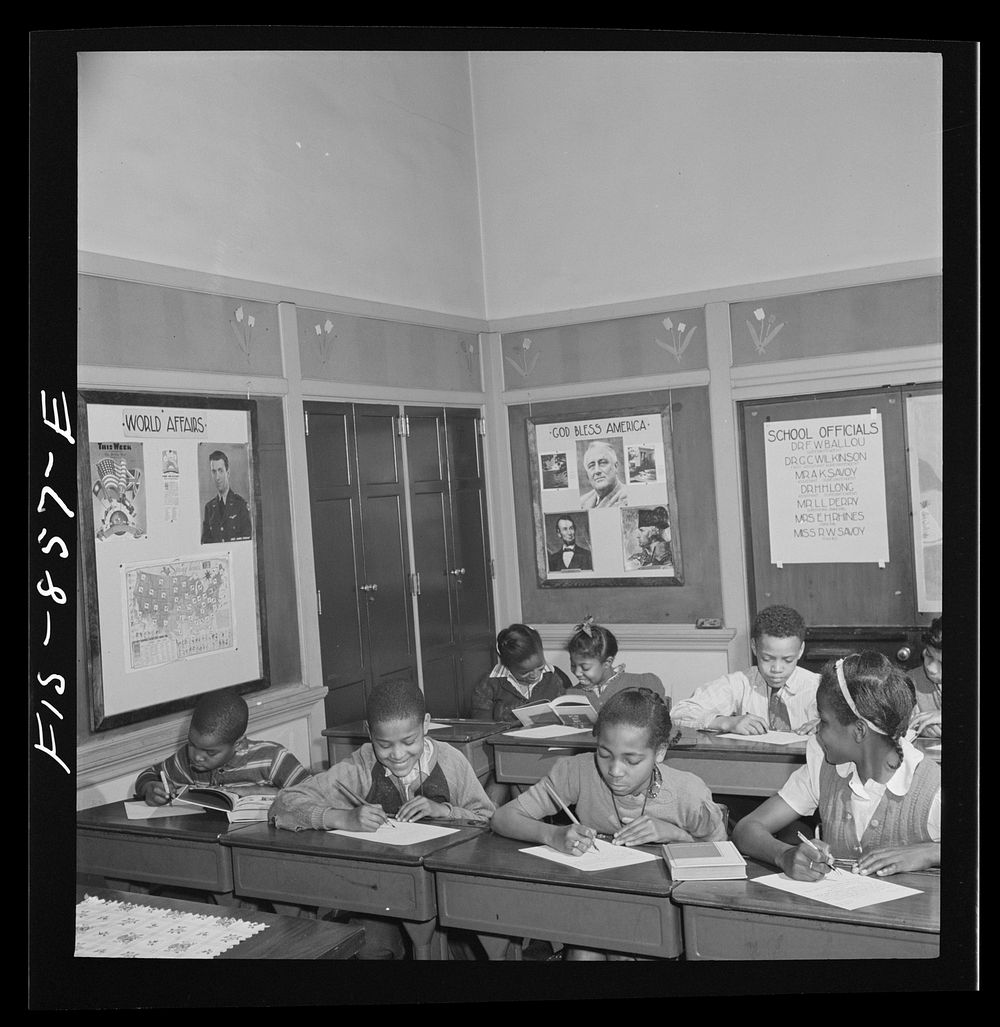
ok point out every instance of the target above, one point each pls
(400, 833)
(774, 737)
(841, 888)
(140, 811)
(605, 857)
(549, 731)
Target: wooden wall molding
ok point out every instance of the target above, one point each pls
(649, 637)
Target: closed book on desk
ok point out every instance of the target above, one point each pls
(704, 861)
(572, 710)
(241, 804)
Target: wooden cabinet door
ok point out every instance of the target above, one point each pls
(472, 577)
(385, 550)
(360, 553)
(430, 508)
(451, 546)
(334, 505)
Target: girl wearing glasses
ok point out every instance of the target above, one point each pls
(522, 674)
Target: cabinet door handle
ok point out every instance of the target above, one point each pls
(904, 654)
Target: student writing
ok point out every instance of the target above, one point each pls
(878, 797)
(592, 651)
(623, 790)
(774, 695)
(400, 772)
(218, 753)
(926, 680)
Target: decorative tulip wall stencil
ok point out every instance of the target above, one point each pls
(524, 368)
(765, 330)
(324, 339)
(243, 330)
(680, 337)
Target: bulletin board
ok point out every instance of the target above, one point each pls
(171, 538)
(689, 422)
(828, 521)
(604, 494)
(925, 443)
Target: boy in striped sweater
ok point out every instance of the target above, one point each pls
(219, 754)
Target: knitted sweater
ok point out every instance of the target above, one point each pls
(898, 820)
(495, 697)
(446, 777)
(619, 684)
(682, 799)
(253, 762)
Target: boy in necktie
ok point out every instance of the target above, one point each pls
(773, 695)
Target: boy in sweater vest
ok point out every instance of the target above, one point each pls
(401, 773)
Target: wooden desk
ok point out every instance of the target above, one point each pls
(183, 852)
(285, 938)
(468, 736)
(728, 766)
(318, 868)
(486, 885)
(743, 920)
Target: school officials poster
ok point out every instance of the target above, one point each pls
(604, 500)
(826, 490)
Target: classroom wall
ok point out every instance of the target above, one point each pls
(496, 184)
(571, 198)
(350, 173)
(614, 176)
(815, 340)
(153, 339)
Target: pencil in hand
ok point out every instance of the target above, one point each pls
(555, 795)
(166, 788)
(821, 856)
(358, 801)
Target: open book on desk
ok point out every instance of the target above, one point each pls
(575, 711)
(240, 803)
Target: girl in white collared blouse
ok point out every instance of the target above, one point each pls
(878, 797)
